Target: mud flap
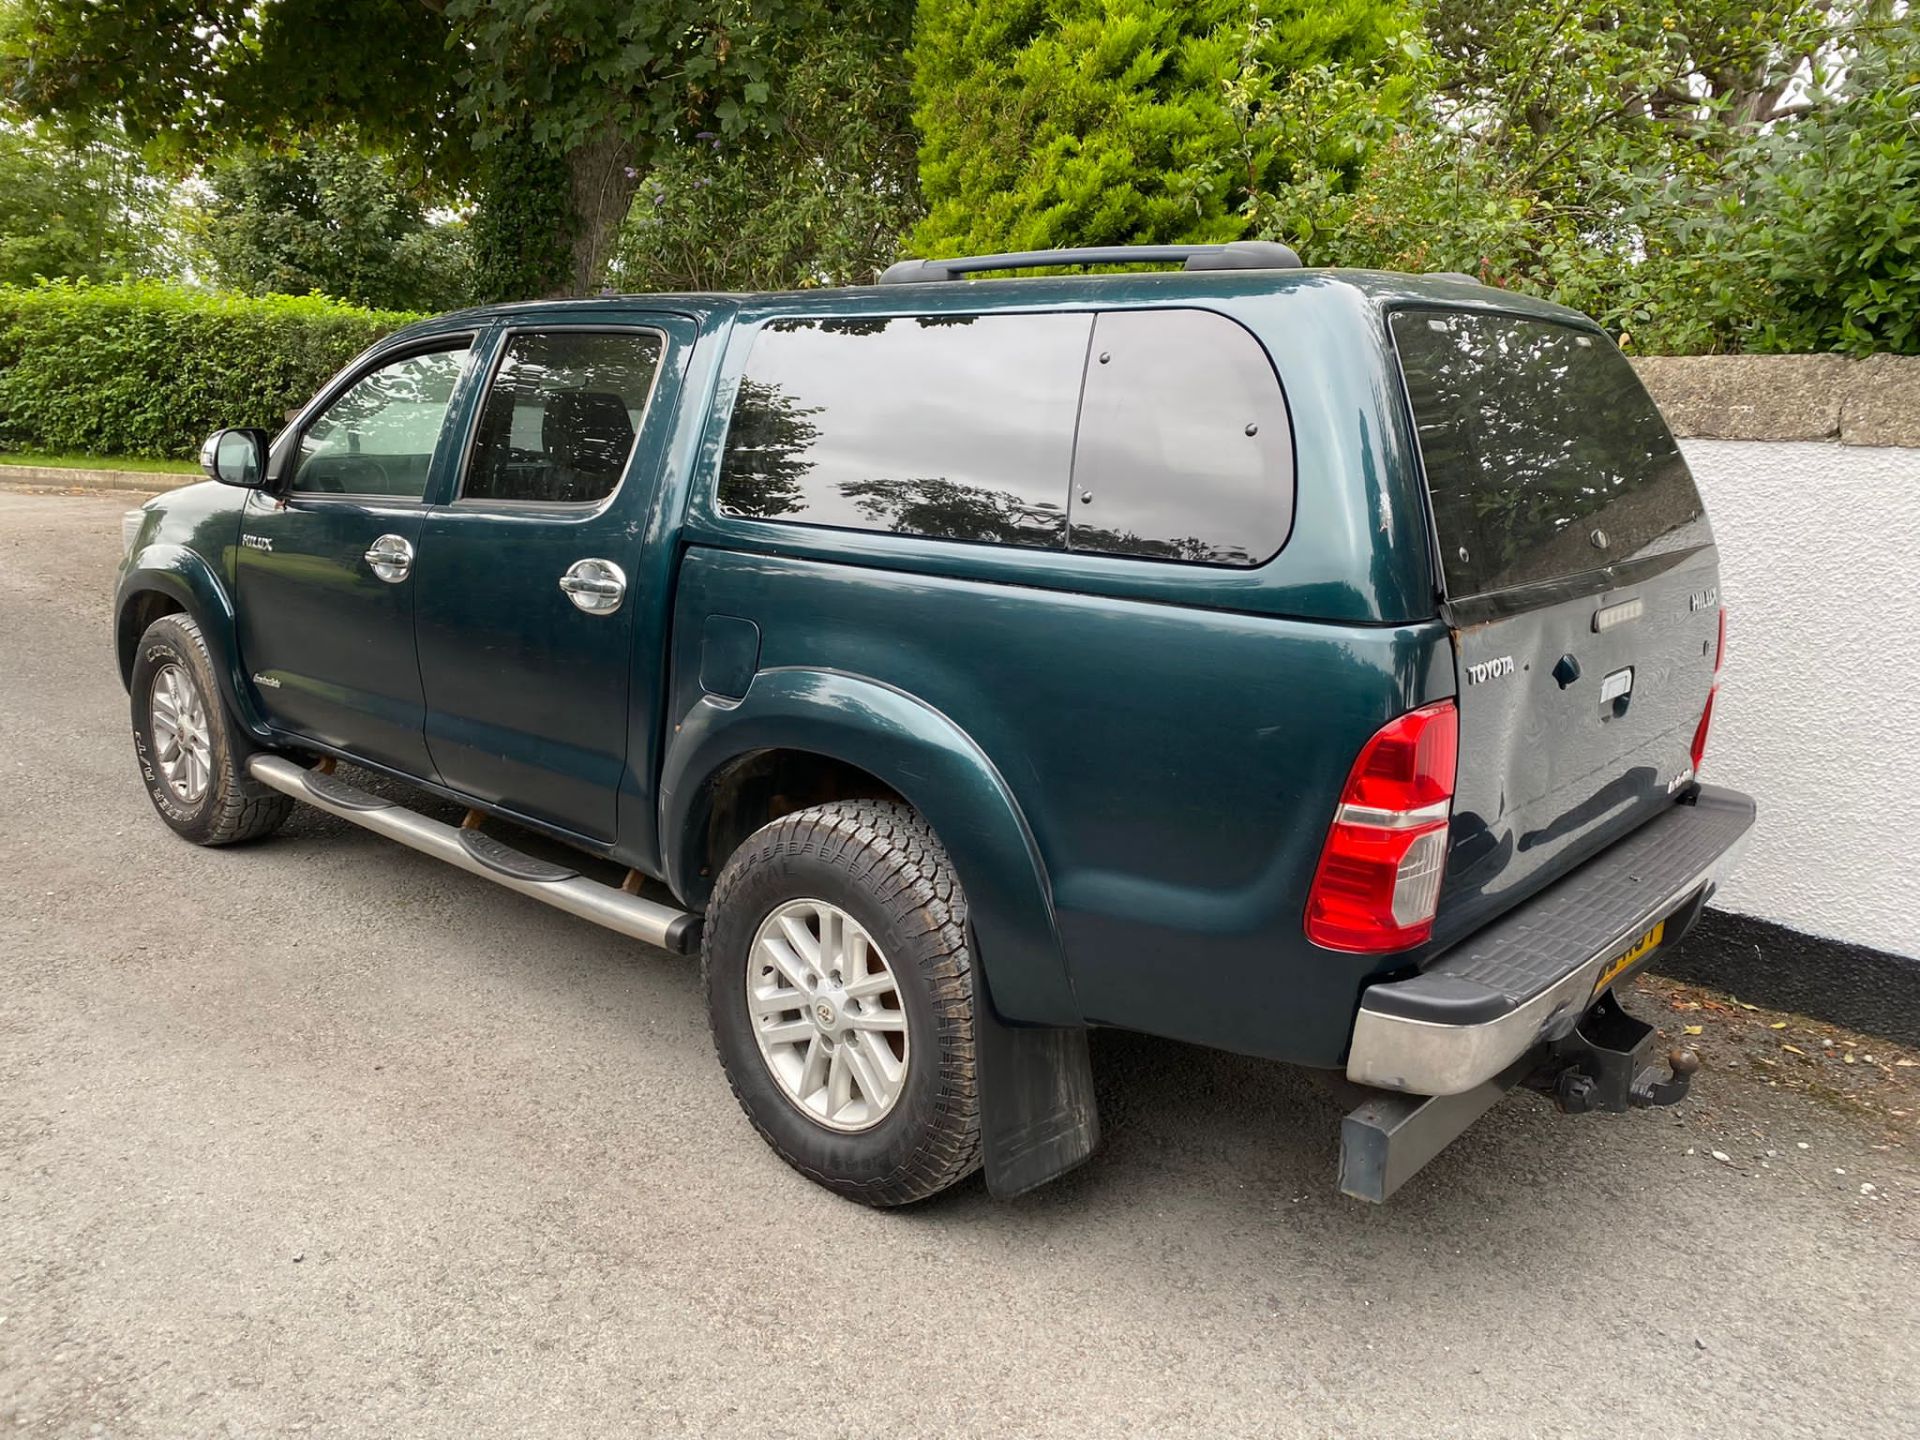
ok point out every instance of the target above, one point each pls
(1038, 1118)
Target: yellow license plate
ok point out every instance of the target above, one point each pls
(1620, 964)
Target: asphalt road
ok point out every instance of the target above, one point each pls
(320, 1137)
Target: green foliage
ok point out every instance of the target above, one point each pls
(1088, 122)
(149, 369)
(573, 69)
(328, 217)
(522, 229)
(72, 209)
(1650, 167)
(1832, 226)
(196, 78)
(602, 87)
(823, 198)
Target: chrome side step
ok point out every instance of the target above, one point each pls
(564, 889)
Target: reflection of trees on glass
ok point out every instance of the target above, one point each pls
(380, 436)
(1534, 435)
(1188, 547)
(421, 380)
(948, 510)
(541, 364)
(767, 444)
(958, 427)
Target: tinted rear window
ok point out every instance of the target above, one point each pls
(958, 427)
(1185, 452)
(1543, 453)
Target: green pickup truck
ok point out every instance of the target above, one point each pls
(1314, 664)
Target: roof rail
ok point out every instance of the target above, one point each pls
(1453, 275)
(1234, 255)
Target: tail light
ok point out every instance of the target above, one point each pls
(1699, 750)
(1379, 878)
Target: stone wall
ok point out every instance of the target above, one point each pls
(1875, 401)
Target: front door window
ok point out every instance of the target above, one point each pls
(379, 437)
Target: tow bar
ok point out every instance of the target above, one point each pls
(1602, 1065)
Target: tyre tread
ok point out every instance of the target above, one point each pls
(893, 853)
(243, 809)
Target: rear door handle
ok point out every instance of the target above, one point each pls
(391, 558)
(595, 586)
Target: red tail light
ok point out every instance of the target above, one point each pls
(1379, 878)
(1699, 750)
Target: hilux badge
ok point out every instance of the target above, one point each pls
(256, 542)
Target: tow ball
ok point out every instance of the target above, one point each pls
(1605, 1064)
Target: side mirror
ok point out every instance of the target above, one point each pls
(236, 457)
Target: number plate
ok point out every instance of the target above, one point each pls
(1635, 952)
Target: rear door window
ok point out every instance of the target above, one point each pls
(1544, 455)
(561, 416)
(1185, 452)
(954, 427)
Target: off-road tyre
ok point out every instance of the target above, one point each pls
(882, 864)
(234, 806)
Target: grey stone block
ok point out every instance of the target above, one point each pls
(1881, 405)
(1749, 397)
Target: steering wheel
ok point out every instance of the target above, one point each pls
(357, 475)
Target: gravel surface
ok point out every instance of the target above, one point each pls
(321, 1137)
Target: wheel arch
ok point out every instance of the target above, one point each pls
(171, 579)
(860, 727)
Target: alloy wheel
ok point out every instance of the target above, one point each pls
(827, 1015)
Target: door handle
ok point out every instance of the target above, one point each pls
(391, 558)
(595, 586)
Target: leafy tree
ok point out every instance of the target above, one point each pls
(1643, 164)
(600, 88)
(326, 217)
(74, 210)
(1831, 223)
(824, 198)
(1085, 122)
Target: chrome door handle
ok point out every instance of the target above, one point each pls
(391, 558)
(595, 586)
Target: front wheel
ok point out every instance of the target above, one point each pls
(840, 990)
(191, 759)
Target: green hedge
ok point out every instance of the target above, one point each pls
(150, 369)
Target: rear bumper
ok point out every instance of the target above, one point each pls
(1526, 979)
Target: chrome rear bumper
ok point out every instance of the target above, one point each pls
(1527, 978)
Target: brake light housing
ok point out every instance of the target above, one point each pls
(1698, 750)
(1378, 883)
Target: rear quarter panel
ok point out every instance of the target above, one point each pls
(1176, 767)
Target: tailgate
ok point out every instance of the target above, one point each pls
(1582, 586)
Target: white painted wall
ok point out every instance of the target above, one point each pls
(1819, 708)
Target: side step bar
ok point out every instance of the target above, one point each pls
(481, 855)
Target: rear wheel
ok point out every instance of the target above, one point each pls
(840, 990)
(191, 758)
